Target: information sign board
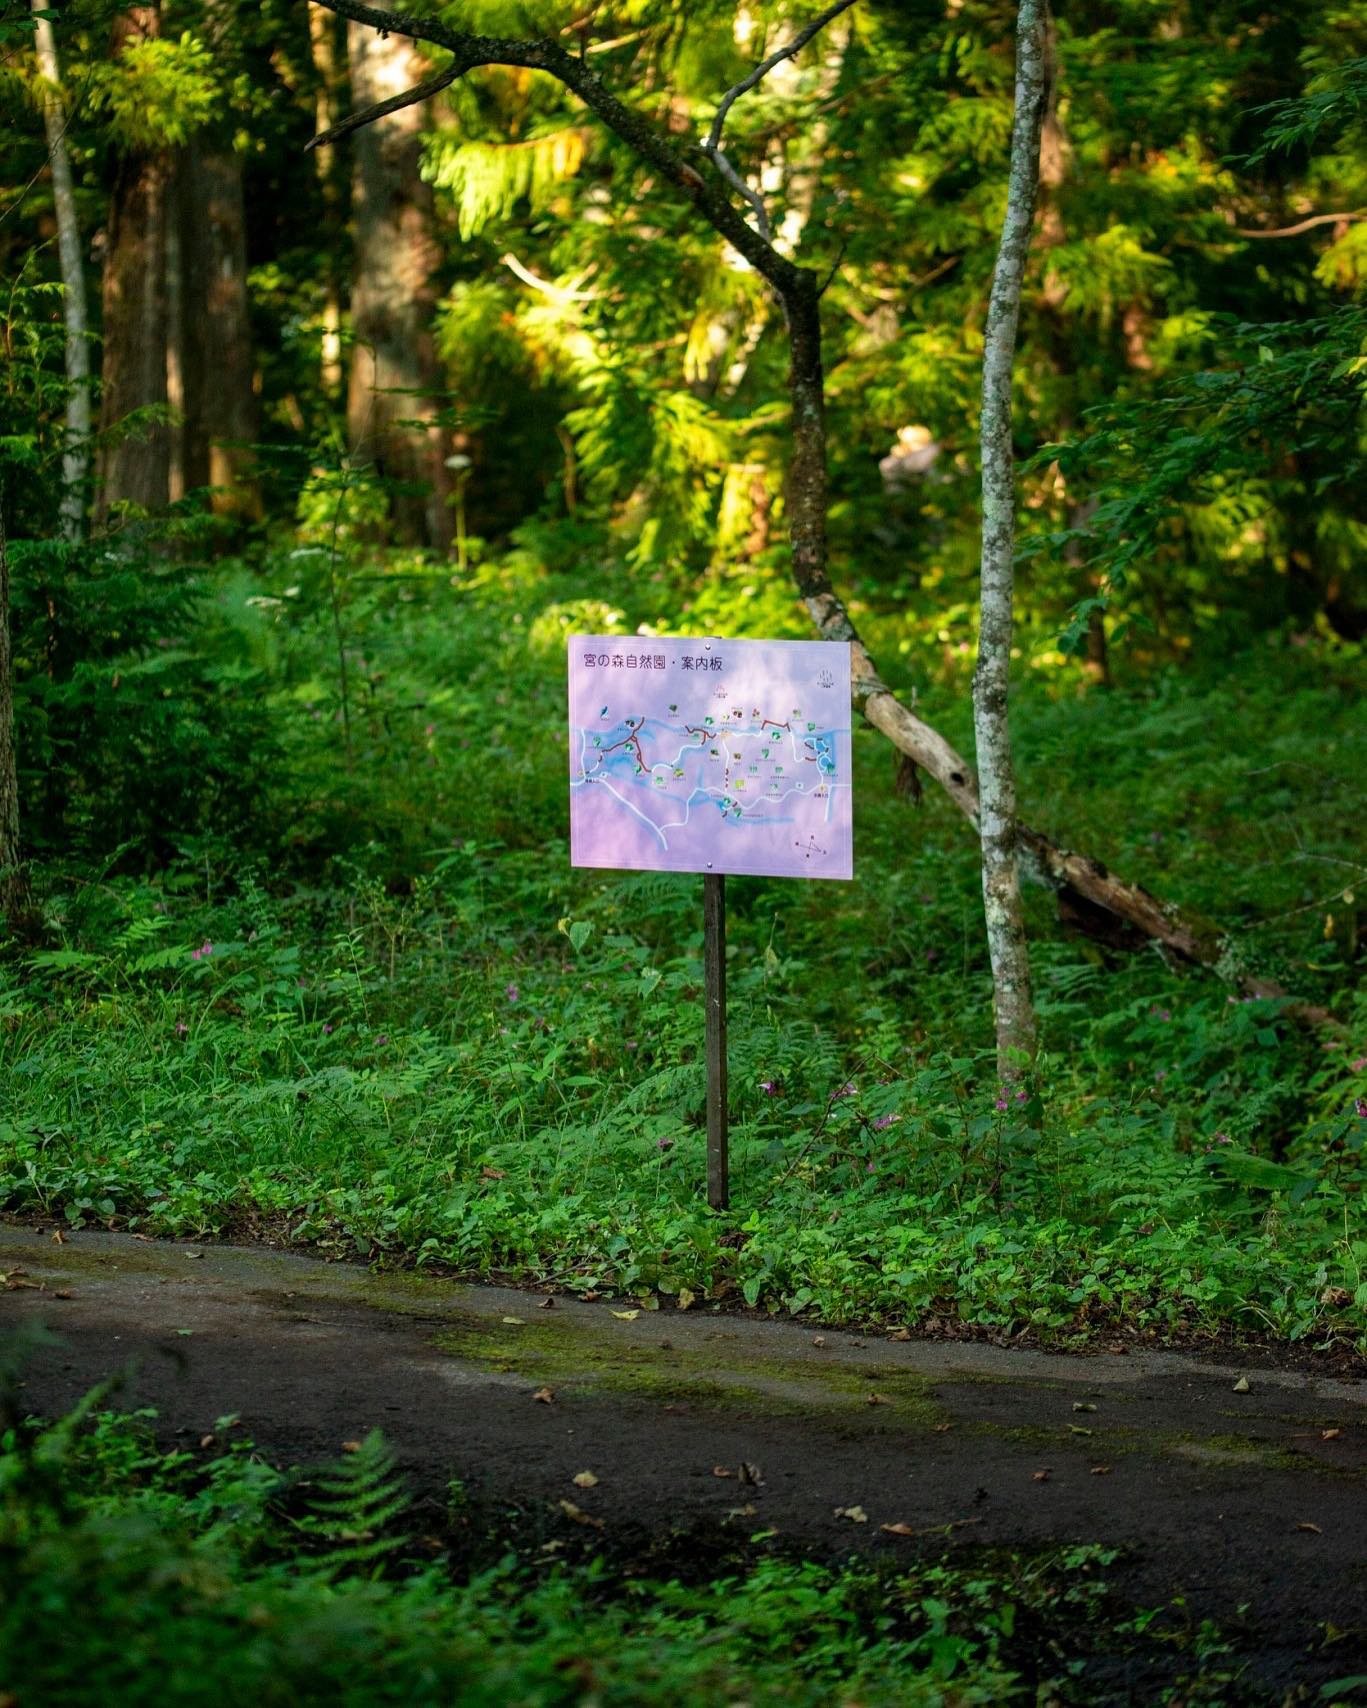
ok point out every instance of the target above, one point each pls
(713, 756)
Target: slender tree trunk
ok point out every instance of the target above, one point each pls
(14, 890)
(76, 454)
(997, 826)
(393, 365)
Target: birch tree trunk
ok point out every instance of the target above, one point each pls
(997, 823)
(76, 452)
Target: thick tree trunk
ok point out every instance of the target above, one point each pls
(76, 453)
(327, 70)
(135, 467)
(217, 355)
(1017, 1032)
(393, 364)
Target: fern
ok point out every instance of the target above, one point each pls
(356, 1503)
(488, 179)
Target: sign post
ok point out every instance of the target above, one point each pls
(714, 996)
(711, 756)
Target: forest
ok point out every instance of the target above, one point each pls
(356, 359)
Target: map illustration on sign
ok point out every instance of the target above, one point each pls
(710, 756)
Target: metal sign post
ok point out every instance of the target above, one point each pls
(714, 997)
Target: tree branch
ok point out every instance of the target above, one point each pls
(1304, 225)
(382, 109)
(763, 69)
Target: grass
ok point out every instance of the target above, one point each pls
(437, 1043)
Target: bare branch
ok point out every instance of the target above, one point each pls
(754, 198)
(763, 69)
(556, 292)
(382, 109)
(1305, 224)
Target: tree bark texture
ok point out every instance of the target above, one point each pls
(1004, 912)
(393, 365)
(1096, 897)
(217, 357)
(76, 453)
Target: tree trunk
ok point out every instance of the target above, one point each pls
(323, 45)
(76, 453)
(393, 364)
(1017, 1032)
(135, 466)
(218, 360)
(14, 891)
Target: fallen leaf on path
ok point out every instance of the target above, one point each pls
(1330, 1434)
(749, 1473)
(194, 1254)
(943, 1428)
(145, 1238)
(64, 1293)
(855, 1514)
(1314, 1529)
(351, 1447)
(1077, 1429)
(649, 1302)
(818, 1340)
(897, 1529)
(686, 1298)
(1083, 1405)
(548, 1304)
(545, 1395)
(626, 1316)
(746, 1511)
(722, 1471)
(516, 1322)
(1041, 1476)
(58, 1237)
(206, 1440)
(584, 1480)
(899, 1334)
(577, 1515)
(877, 1400)
(185, 1331)
(1101, 1470)
(1241, 1386)
(552, 1547)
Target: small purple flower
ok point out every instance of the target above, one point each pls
(381, 1039)
(1001, 1103)
(664, 1144)
(327, 1027)
(769, 1087)
(1020, 1095)
(869, 1169)
(1221, 1139)
(1160, 1076)
(883, 1121)
(1359, 1064)
(849, 1089)
(932, 955)
(181, 1028)
(511, 992)
(1360, 1108)
(203, 952)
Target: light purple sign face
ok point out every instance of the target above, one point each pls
(711, 756)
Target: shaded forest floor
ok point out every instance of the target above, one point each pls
(1228, 1518)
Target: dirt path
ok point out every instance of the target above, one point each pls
(1231, 1499)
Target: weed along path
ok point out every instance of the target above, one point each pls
(1231, 1496)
